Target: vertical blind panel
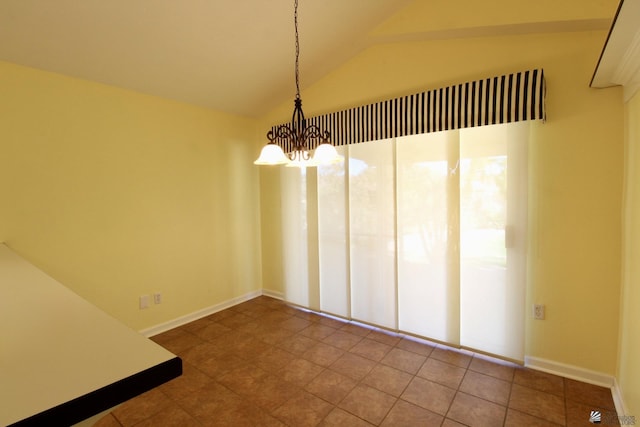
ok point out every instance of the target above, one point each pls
(501, 99)
(372, 233)
(428, 296)
(295, 237)
(493, 199)
(516, 240)
(333, 238)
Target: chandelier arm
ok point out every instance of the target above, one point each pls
(314, 132)
(281, 132)
(271, 136)
(311, 132)
(285, 132)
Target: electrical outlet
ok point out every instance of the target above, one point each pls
(157, 298)
(144, 301)
(538, 311)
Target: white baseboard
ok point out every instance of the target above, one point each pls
(569, 371)
(183, 320)
(580, 374)
(273, 294)
(621, 408)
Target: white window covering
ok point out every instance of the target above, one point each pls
(425, 234)
(333, 237)
(295, 236)
(493, 224)
(372, 233)
(428, 261)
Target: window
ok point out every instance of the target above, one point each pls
(425, 234)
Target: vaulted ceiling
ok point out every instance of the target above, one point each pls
(238, 55)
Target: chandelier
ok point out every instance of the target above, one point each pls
(298, 134)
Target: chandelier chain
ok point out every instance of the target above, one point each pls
(295, 20)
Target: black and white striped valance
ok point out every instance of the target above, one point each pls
(502, 99)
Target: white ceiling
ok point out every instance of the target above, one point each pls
(238, 55)
(230, 55)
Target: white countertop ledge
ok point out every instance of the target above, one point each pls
(63, 360)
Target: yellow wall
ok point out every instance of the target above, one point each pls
(576, 172)
(117, 194)
(628, 365)
(271, 229)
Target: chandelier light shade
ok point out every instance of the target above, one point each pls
(272, 154)
(298, 134)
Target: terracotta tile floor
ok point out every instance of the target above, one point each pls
(264, 363)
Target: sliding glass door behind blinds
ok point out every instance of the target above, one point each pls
(425, 231)
(372, 232)
(428, 259)
(425, 234)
